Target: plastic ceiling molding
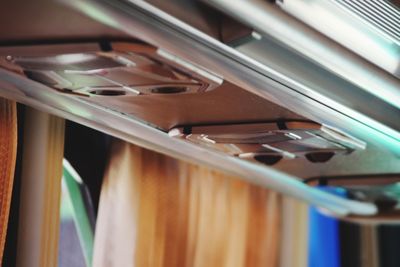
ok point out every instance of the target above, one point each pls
(127, 128)
(268, 19)
(360, 26)
(161, 29)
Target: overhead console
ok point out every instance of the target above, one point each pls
(142, 81)
(189, 102)
(268, 143)
(126, 70)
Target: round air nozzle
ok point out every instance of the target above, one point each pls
(319, 156)
(268, 159)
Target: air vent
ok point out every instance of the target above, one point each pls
(269, 143)
(125, 71)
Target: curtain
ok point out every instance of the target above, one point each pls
(8, 152)
(160, 212)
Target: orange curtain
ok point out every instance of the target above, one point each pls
(160, 212)
(8, 152)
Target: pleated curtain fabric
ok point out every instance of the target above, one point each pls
(160, 212)
(8, 152)
(369, 246)
(40, 191)
(294, 233)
